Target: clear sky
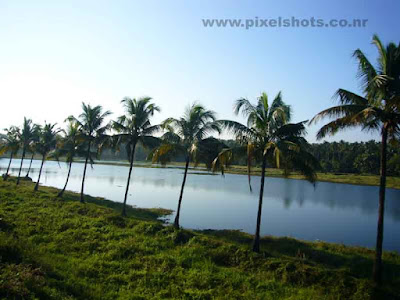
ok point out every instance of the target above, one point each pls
(56, 54)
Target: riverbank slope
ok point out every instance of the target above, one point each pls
(52, 248)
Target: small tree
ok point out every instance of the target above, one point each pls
(186, 136)
(25, 137)
(47, 142)
(134, 127)
(33, 145)
(268, 136)
(70, 146)
(91, 125)
(10, 143)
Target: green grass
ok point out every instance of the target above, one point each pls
(53, 248)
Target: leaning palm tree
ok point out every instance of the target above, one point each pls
(70, 146)
(186, 136)
(33, 145)
(268, 137)
(25, 137)
(47, 142)
(10, 143)
(378, 110)
(134, 127)
(91, 125)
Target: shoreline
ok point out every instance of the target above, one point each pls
(160, 214)
(63, 249)
(345, 178)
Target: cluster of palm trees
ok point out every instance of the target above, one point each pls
(268, 137)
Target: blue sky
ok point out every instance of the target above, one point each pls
(56, 54)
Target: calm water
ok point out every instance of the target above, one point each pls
(331, 212)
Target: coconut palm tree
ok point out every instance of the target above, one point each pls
(33, 145)
(135, 127)
(10, 143)
(268, 137)
(25, 137)
(186, 136)
(378, 110)
(70, 146)
(91, 125)
(47, 142)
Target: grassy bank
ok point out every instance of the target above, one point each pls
(61, 249)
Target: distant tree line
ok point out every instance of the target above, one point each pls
(347, 157)
(359, 157)
(334, 157)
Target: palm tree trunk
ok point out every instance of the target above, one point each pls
(40, 173)
(256, 242)
(84, 173)
(20, 168)
(176, 222)
(8, 168)
(60, 194)
(30, 165)
(129, 178)
(377, 271)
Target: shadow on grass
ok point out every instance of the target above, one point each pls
(150, 214)
(357, 260)
(147, 214)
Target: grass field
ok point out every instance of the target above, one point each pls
(53, 248)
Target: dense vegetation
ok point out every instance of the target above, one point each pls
(59, 248)
(357, 158)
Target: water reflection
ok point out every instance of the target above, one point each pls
(328, 211)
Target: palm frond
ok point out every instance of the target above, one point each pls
(245, 106)
(165, 153)
(150, 142)
(366, 71)
(235, 128)
(382, 58)
(338, 112)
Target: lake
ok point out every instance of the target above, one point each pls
(340, 213)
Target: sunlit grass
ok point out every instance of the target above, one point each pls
(52, 248)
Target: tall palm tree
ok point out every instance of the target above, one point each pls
(91, 125)
(186, 136)
(70, 146)
(25, 137)
(134, 127)
(10, 143)
(377, 110)
(33, 145)
(268, 136)
(47, 142)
